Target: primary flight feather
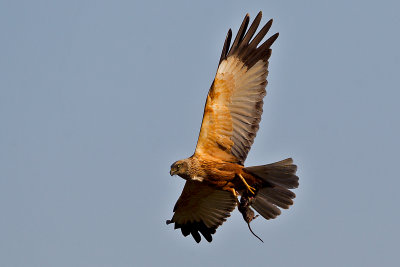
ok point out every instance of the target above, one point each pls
(215, 174)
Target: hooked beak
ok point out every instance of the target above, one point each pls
(171, 172)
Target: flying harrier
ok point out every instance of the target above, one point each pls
(215, 174)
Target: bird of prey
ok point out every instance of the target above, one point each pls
(215, 174)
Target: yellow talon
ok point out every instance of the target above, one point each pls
(251, 189)
(234, 194)
(233, 191)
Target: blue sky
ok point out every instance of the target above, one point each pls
(98, 98)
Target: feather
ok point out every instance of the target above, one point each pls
(236, 92)
(201, 208)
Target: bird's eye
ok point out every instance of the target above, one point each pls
(178, 166)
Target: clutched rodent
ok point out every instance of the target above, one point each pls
(247, 212)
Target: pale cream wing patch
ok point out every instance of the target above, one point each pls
(233, 110)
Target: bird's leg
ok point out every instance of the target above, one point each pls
(251, 189)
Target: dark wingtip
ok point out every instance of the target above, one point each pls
(194, 228)
(227, 43)
(259, 15)
(247, 48)
(196, 235)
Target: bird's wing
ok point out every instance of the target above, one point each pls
(235, 100)
(201, 208)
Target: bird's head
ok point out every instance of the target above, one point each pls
(181, 168)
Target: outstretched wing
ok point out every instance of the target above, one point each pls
(235, 101)
(201, 208)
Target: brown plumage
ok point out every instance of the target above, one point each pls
(215, 173)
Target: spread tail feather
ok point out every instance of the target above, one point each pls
(277, 179)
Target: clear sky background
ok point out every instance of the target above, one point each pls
(98, 98)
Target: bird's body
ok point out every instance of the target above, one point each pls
(215, 174)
